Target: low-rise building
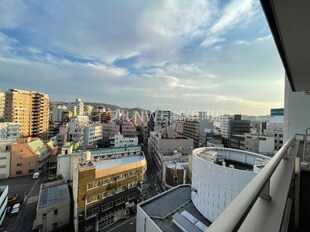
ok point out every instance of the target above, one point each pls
(120, 140)
(53, 208)
(5, 156)
(92, 133)
(106, 189)
(4, 190)
(9, 130)
(29, 155)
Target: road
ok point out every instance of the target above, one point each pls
(28, 190)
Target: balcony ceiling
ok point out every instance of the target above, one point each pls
(289, 22)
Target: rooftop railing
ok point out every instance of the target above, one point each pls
(235, 215)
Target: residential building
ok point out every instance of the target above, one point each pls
(224, 125)
(101, 115)
(159, 119)
(53, 208)
(2, 104)
(9, 131)
(30, 109)
(5, 156)
(120, 140)
(88, 110)
(166, 145)
(237, 142)
(92, 133)
(110, 129)
(4, 190)
(105, 188)
(127, 128)
(79, 105)
(196, 130)
(76, 129)
(29, 155)
(141, 118)
(57, 113)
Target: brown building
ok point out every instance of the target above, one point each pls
(106, 189)
(30, 109)
(29, 155)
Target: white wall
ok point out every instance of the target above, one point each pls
(144, 223)
(216, 186)
(296, 112)
(3, 202)
(65, 166)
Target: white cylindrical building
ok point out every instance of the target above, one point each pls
(219, 175)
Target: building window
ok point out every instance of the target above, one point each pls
(19, 164)
(3, 158)
(55, 211)
(30, 163)
(120, 200)
(44, 216)
(3, 166)
(20, 157)
(92, 212)
(93, 198)
(55, 225)
(105, 222)
(31, 171)
(19, 172)
(107, 206)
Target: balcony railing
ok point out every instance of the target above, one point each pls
(263, 203)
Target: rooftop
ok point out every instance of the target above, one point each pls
(53, 195)
(111, 150)
(168, 206)
(111, 163)
(242, 160)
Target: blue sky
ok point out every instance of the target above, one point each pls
(210, 55)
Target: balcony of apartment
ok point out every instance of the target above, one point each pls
(278, 197)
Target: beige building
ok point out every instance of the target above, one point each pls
(106, 189)
(2, 103)
(29, 155)
(30, 109)
(53, 209)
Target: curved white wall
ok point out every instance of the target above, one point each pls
(217, 185)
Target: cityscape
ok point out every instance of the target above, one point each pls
(167, 117)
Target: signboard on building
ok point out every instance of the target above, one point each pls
(277, 112)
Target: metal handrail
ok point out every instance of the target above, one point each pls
(233, 216)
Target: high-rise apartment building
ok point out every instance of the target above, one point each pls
(30, 109)
(2, 102)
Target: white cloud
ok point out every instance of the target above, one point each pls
(182, 53)
(237, 11)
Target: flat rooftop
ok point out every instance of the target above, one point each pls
(111, 163)
(53, 195)
(113, 150)
(165, 206)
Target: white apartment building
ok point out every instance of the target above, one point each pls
(4, 190)
(9, 131)
(5, 154)
(57, 113)
(76, 129)
(92, 133)
(79, 106)
(120, 140)
(224, 125)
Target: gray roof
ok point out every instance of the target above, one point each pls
(53, 195)
(163, 208)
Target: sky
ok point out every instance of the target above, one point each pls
(210, 55)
